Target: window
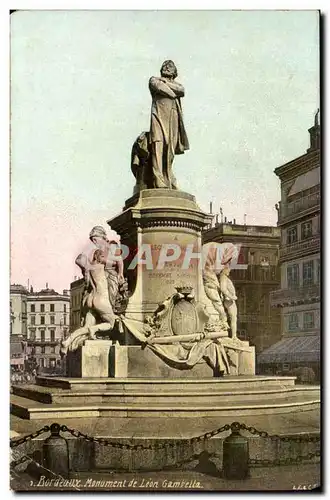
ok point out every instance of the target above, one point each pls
(52, 362)
(293, 322)
(65, 308)
(41, 362)
(42, 335)
(308, 273)
(308, 320)
(52, 320)
(306, 230)
(53, 349)
(32, 308)
(291, 235)
(42, 308)
(64, 320)
(52, 308)
(42, 320)
(43, 350)
(32, 333)
(52, 335)
(33, 320)
(293, 276)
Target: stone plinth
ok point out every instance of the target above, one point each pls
(134, 362)
(90, 360)
(151, 219)
(103, 358)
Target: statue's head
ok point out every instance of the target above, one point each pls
(168, 69)
(97, 234)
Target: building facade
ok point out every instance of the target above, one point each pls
(48, 315)
(299, 295)
(76, 292)
(18, 311)
(257, 321)
(18, 326)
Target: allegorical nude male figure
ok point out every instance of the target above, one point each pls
(97, 303)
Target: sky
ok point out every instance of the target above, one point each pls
(79, 99)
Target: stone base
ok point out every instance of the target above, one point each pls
(90, 360)
(135, 362)
(103, 358)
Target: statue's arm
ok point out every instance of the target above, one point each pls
(227, 288)
(177, 88)
(158, 86)
(120, 270)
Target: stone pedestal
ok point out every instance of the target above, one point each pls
(151, 219)
(162, 230)
(103, 358)
(135, 362)
(90, 360)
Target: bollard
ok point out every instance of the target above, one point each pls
(235, 454)
(56, 452)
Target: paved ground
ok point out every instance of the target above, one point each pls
(284, 478)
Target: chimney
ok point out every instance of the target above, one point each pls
(211, 207)
(225, 220)
(315, 134)
(234, 221)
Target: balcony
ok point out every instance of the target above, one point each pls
(299, 207)
(266, 274)
(33, 341)
(300, 248)
(301, 295)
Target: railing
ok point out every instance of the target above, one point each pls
(300, 205)
(301, 294)
(257, 273)
(312, 244)
(236, 460)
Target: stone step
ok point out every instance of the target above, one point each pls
(48, 395)
(165, 385)
(29, 409)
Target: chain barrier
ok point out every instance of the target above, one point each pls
(29, 437)
(284, 461)
(275, 437)
(156, 446)
(22, 460)
(235, 426)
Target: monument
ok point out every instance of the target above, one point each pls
(158, 337)
(173, 320)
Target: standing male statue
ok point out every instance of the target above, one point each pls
(153, 151)
(167, 133)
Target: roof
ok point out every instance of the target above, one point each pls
(47, 291)
(18, 289)
(292, 350)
